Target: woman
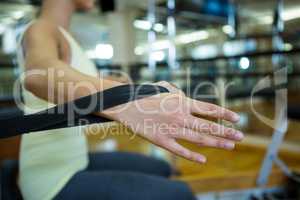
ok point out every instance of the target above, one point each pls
(55, 164)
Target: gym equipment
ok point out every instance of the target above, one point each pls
(256, 54)
(8, 184)
(151, 35)
(281, 103)
(69, 114)
(232, 19)
(171, 25)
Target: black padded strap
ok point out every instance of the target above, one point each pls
(75, 112)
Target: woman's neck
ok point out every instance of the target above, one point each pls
(58, 12)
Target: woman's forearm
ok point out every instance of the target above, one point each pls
(61, 83)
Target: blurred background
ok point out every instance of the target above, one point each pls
(187, 42)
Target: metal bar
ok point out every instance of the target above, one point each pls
(239, 75)
(280, 77)
(151, 35)
(222, 57)
(232, 19)
(283, 166)
(171, 25)
(272, 151)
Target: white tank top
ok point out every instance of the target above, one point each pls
(49, 159)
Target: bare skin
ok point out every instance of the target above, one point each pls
(46, 48)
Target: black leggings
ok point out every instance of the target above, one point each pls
(125, 176)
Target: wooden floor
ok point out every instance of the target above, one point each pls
(231, 170)
(224, 170)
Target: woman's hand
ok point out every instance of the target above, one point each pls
(164, 118)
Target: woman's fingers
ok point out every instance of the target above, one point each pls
(179, 150)
(204, 140)
(211, 110)
(208, 127)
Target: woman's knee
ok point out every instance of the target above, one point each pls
(124, 161)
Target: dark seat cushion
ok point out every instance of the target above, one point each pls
(294, 112)
(8, 180)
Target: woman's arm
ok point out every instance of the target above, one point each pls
(161, 119)
(50, 78)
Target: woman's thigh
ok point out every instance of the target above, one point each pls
(123, 161)
(115, 185)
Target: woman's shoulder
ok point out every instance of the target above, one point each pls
(39, 28)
